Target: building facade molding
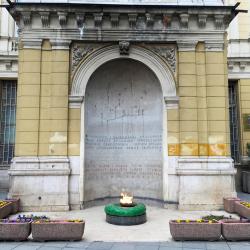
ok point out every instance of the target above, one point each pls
(32, 43)
(239, 59)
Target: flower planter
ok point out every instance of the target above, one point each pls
(242, 210)
(236, 229)
(5, 209)
(13, 230)
(195, 230)
(229, 204)
(57, 230)
(15, 205)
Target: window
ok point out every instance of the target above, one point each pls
(234, 121)
(8, 121)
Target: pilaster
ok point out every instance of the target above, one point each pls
(28, 99)
(188, 100)
(217, 108)
(54, 99)
(202, 99)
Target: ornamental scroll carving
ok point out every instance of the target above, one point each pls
(168, 54)
(79, 52)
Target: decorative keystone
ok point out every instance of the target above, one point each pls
(124, 47)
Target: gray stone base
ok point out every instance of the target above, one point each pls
(41, 183)
(204, 182)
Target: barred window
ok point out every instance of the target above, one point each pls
(8, 121)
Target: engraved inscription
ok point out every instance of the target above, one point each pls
(153, 142)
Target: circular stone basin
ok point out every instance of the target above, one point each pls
(126, 216)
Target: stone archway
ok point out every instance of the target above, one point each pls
(160, 69)
(123, 132)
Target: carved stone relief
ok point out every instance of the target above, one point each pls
(124, 47)
(81, 51)
(168, 54)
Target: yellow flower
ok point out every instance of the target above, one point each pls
(210, 221)
(178, 221)
(199, 220)
(187, 220)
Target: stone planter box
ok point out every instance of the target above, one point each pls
(5, 210)
(246, 181)
(236, 229)
(229, 204)
(57, 230)
(16, 231)
(242, 210)
(195, 230)
(15, 205)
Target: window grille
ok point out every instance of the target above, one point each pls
(8, 121)
(234, 121)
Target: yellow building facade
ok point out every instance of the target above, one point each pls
(239, 80)
(115, 97)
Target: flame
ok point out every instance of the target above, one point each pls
(127, 198)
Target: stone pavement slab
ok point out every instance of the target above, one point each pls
(194, 245)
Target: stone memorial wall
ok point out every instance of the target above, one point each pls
(123, 139)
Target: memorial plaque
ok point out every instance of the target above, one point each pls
(123, 124)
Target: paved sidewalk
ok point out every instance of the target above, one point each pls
(221, 245)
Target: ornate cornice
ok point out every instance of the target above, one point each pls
(147, 23)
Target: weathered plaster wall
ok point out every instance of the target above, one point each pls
(200, 126)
